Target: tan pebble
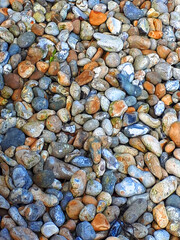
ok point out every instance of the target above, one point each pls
(160, 215)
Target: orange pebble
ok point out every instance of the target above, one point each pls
(155, 34)
(163, 51)
(23, 147)
(90, 66)
(98, 54)
(130, 110)
(17, 95)
(100, 223)
(42, 66)
(147, 51)
(4, 11)
(167, 99)
(149, 87)
(29, 141)
(135, 23)
(170, 147)
(97, 18)
(155, 226)
(178, 52)
(146, 4)
(11, 1)
(160, 90)
(112, 80)
(163, 142)
(158, 24)
(70, 224)
(87, 199)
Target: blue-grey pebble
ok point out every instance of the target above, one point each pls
(163, 158)
(92, 3)
(132, 12)
(2, 18)
(1, 82)
(44, 82)
(131, 89)
(85, 231)
(130, 101)
(4, 233)
(173, 200)
(35, 226)
(55, 192)
(130, 118)
(81, 161)
(4, 60)
(13, 137)
(3, 46)
(38, 92)
(14, 49)
(161, 234)
(136, 130)
(108, 182)
(172, 85)
(21, 177)
(67, 196)
(16, 216)
(57, 215)
(39, 103)
(26, 39)
(20, 196)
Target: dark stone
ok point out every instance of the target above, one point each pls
(26, 39)
(13, 137)
(35, 226)
(44, 178)
(57, 215)
(132, 12)
(108, 182)
(14, 49)
(1, 82)
(85, 231)
(39, 103)
(67, 197)
(21, 177)
(81, 161)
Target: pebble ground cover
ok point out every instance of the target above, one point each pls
(89, 119)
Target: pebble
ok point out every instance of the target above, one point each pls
(14, 137)
(123, 190)
(136, 209)
(85, 231)
(163, 189)
(132, 12)
(152, 144)
(22, 232)
(26, 39)
(49, 229)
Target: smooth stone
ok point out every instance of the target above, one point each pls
(93, 188)
(164, 70)
(13, 137)
(114, 94)
(4, 203)
(173, 200)
(108, 43)
(108, 182)
(85, 231)
(44, 178)
(136, 129)
(82, 161)
(147, 119)
(20, 196)
(141, 62)
(132, 12)
(161, 234)
(87, 213)
(16, 216)
(163, 189)
(136, 209)
(57, 215)
(152, 144)
(172, 166)
(59, 150)
(39, 103)
(147, 179)
(21, 177)
(60, 169)
(111, 161)
(27, 158)
(26, 39)
(129, 187)
(159, 108)
(78, 183)
(33, 128)
(19, 233)
(49, 229)
(132, 90)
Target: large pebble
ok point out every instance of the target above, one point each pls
(163, 189)
(129, 187)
